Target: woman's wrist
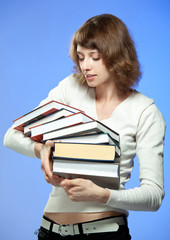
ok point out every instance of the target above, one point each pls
(103, 195)
(106, 196)
(37, 148)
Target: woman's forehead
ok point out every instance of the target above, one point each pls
(84, 49)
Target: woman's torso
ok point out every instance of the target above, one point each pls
(118, 122)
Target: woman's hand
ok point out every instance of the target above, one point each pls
(44, 152)
(83, 190)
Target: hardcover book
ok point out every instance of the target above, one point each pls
(96, 138)
(103, 174)
(40, 112)
(82, 129)
(85, 151)
(56, 115)
(72, 120)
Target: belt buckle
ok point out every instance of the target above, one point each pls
(61, 232)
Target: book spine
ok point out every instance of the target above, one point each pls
(83, 159)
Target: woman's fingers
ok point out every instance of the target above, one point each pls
(47, 163)
(85, 190)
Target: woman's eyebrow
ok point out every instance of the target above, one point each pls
(91, 52)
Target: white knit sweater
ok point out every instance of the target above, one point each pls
(141, 128)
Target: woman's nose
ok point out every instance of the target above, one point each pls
(86, 65)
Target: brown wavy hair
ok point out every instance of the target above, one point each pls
(110, 36)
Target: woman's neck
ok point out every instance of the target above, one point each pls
(107, 99)
(106, 93)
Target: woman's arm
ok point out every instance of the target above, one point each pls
(150, 142)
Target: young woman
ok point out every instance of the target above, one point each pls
(107, 70)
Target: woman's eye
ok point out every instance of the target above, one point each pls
(96, 58)
(81, 59)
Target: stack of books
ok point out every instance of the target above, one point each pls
(83, 147)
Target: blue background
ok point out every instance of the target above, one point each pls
(34, 43)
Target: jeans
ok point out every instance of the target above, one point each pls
(121, 234)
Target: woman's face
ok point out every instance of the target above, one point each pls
(93, 67)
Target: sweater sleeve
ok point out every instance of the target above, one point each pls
(16, 141)
(149, 150)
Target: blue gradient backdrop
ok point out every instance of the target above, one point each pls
(34, 44)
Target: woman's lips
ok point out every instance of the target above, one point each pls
(90, 77)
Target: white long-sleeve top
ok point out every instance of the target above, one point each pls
(141, 128)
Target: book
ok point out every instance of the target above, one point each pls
(74, 119)
(96, 138)
(56, 115)
(82, 129)
(103, 174)
(84, 151)
(41, 112)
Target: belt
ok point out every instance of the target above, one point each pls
(103, 225)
